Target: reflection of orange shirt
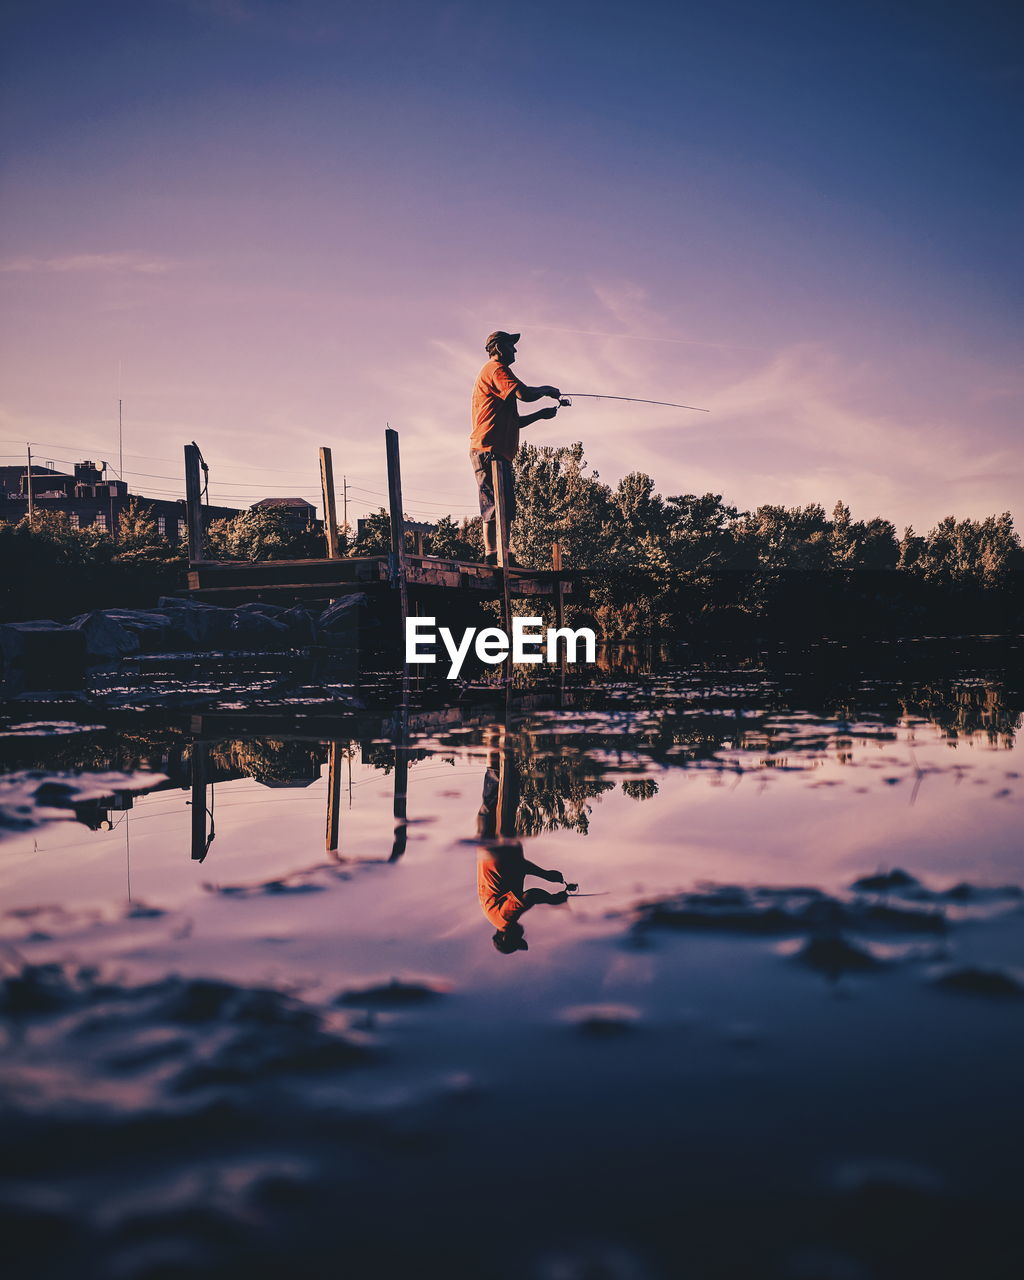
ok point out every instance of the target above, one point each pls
(495, 415)
(501, 904)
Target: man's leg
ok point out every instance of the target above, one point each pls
(485, 490)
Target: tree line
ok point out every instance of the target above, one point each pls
(654, 559)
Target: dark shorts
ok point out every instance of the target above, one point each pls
(482, 470)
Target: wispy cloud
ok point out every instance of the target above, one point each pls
(128, 262)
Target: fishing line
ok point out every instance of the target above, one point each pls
(566, 399)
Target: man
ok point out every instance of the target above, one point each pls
(500, 872)
(496, 427)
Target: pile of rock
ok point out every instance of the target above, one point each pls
(174, 626)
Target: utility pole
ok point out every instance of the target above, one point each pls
(120, 444)
(31, 500)
(344, 505)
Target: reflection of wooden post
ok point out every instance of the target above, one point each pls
(199, 763)
(401, 802)
(333, 796)
(506, 810)
(193, 505)
(397, 565)
(501, 530)
(330, 509)
(556, 564)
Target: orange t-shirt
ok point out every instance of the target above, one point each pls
(495, 414)
(497, 890)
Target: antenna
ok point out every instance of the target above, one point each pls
(120, 443)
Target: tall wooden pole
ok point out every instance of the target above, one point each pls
(330, 508)
(194, 506)
(501, 529)
(31, 496)
(397, 564)
(556, 564)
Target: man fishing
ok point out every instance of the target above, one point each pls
(496, 427)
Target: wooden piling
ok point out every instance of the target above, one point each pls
(330, 508)
(333, 796)
(397, 559)
(194, 505)
(501, 527)
(556, 564)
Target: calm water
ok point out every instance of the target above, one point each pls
(230, 1047)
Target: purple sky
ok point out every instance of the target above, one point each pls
(270, 226)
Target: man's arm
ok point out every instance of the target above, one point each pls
(529, 418)
(531, 869)
(529, 394)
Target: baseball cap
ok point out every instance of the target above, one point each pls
(499, 335)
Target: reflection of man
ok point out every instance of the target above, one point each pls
(500, 872)
(501, 866)
(496, 427)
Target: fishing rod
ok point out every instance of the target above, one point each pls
(566, 399)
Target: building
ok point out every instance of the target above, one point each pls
(299, 513)
(90, 499)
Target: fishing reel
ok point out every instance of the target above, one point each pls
(564, 402)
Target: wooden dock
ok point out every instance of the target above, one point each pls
(420, 579)
(226, 582)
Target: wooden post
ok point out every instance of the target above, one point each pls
(556, 564)
(330, 509)
(29, 491)
(194, 506)
(417, 542)
(501, 530)
(198, 770)
(333, 796)
(397, 565)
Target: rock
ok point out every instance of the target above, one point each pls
(886, 881)
(48, 654)
(262, 606)
(152, 627)
(977, 980)
(601, 1020)
(836, 955)
(105, 638)
(16, 638)
(258, 629)
(300, 622)
(198, 626)
(342, 614)
(398, 993)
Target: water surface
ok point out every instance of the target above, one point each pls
(775, 1031)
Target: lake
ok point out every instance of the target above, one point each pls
(284, 993)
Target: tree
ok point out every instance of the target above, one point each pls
(136, 527)
(451, 541)
(261, 533)
(963, 551)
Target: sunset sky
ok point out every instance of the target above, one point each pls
(272, 225)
